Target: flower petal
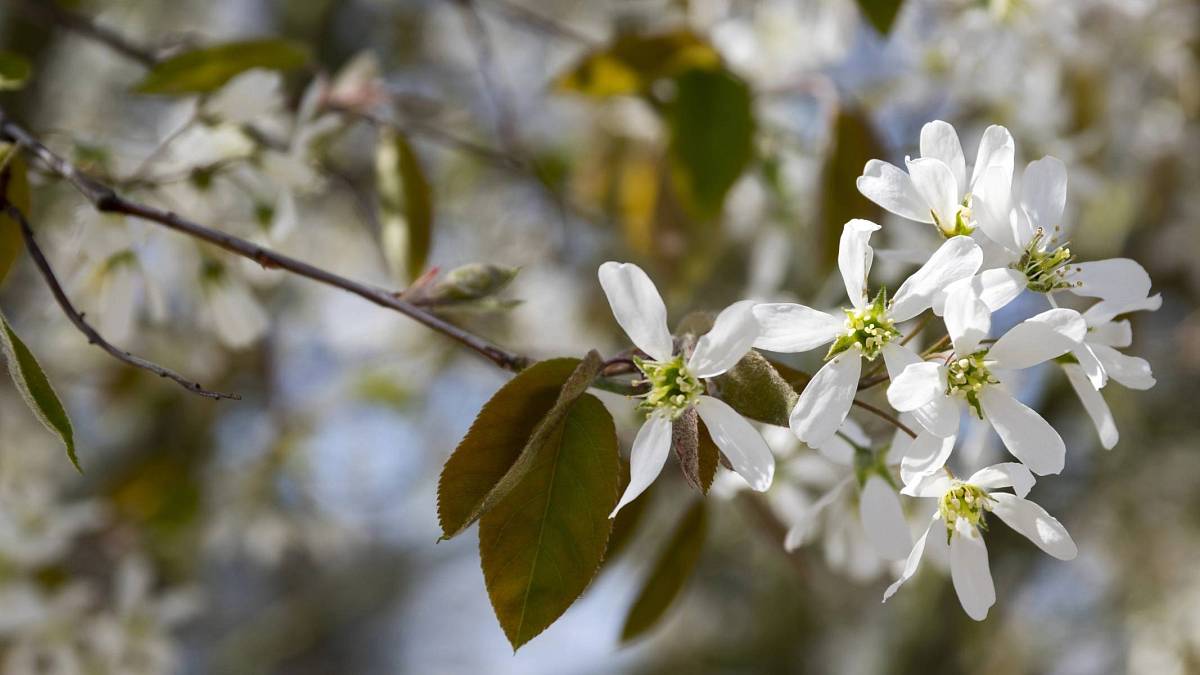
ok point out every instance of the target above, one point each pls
(740, 442)
(912, 562)
(803, 526)
(1040, 338)
(1085, 354)
(1107, 310)
(1130, 371)
(854, 258)
(733, 333)
(967, 320)
(1116, 280)
(996, 150)
(792, 328)
(646, 458)
(916, 385)
(926, 455)
(1028, 436)
(888, 186)
(1005, 474)
(826, 399)
(940, 141)
(995, 288)
(991, 208)
(941, 416)
(1094, 404)
(638, 308)
(1038, 526)
(1117, 334)
(936, 185)
(1044, 192)
(930, 486)
(970, 572)
(840, 449)
(957, 258)
(883, 520)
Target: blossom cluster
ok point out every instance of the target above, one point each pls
(1002, 237)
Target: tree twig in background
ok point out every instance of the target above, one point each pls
(50, 13)
(84, 327)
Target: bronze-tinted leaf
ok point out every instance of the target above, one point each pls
(709, 457)
(671, 571)
(503, 442)
(756, 390)
(853, 143)
(14, 186)
(542, 544)
(685, 439)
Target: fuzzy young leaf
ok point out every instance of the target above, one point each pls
(405, 205)
(507, 438)
(711, 121)
(632, 63)
(14, 71)
(709, 457)
(543, 543)
(14, 186)
(880, 13)
(671, 571)
(469, 283)
(35, 389)
(756, 390)
(206, 69)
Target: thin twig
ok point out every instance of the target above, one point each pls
(485, 57)
(886, 416)
(48, 12)
(76, 317)
(105, 199)
(528, 18)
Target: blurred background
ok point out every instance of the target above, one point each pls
(295, 531)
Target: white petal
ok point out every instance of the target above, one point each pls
(740, 442)
(1085, 354)
(913, 561)
(957, 258)
(638, 308)
(883, 519)
(897, 357)
(803, 526)
(940, 141)
(1116, 280)
(930, 486)
(967, 320)
(916, 385)
(991, 208)
(1112, 333)
(996, 150)
(733, 333)
(995, 288)
(1107, 310)
(1094, 404)
(925, 456)
(1027, 436)
(1040, 338)
(854, 258)
(840, 448)
(827, 398)
(941, 416)
(792, 328)
(1044, 192)
(1130, 371)
(1038, 526)
(970, 572)
(888, 186)
(936, 185)
(646, 458)
(1005, 474)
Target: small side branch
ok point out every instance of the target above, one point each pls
(76, 317)
(48, 12)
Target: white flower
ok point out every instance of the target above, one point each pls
(962, 508)
(1034, 254)
(936, 189)
(878, 511)
(972, 376)
(1095, 360)
(676, 384)
(233, 312)
(868, 330)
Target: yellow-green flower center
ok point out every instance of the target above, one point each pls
(672, 388)
(966, 376)
(961, 224)
(870, 328)
(1045, 269)
(964, 501)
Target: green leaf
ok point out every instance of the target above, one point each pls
(711, 122)
(542, 544)
(632, 63)
(881, 13)
(35, 389)
(14, 186)
(14, 71)
(756, 390)
(405, 204)
(508, 437)
(674, 566)
(206, 69)
(853, 144)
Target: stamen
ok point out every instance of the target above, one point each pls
(967, 377)
(964, 500)
(672, 388)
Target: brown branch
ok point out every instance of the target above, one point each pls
(105, 199)
(76, 317)
(48, 12)
(886, 416)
